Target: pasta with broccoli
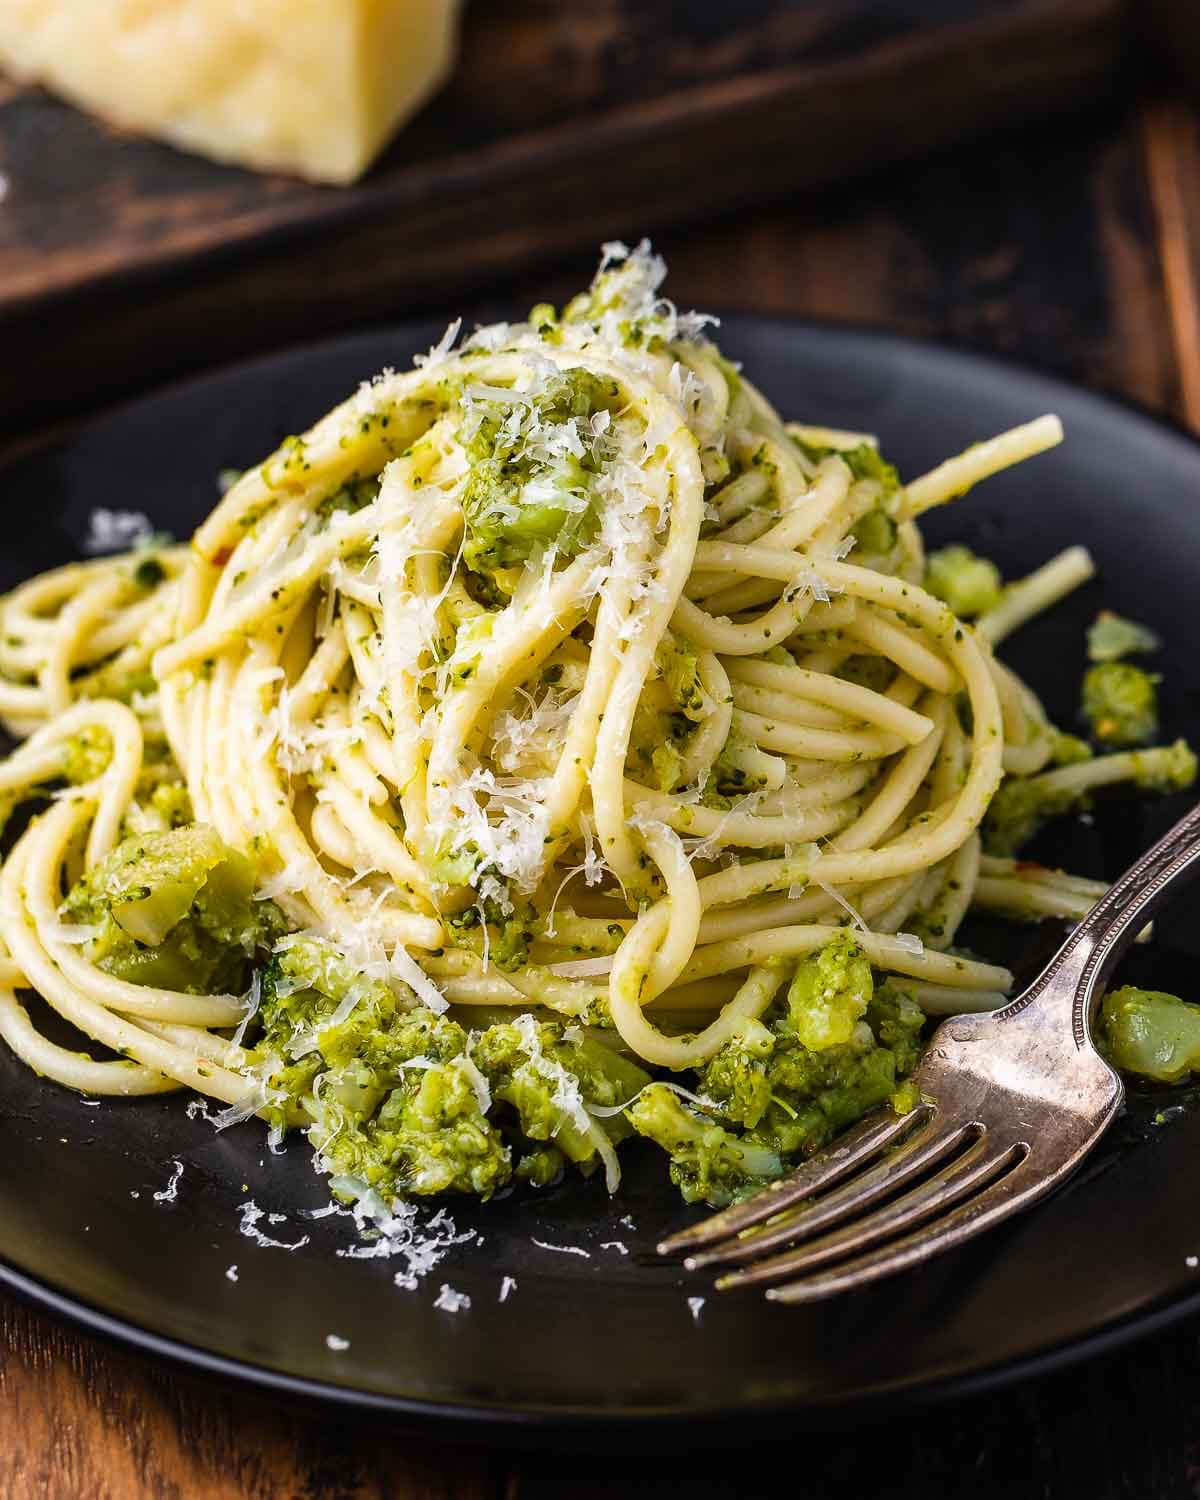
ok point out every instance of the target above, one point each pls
(551, 746)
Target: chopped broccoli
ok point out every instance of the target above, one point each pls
(681, 673)
(408, 1102)
(791, 1097)
(533, 464)
(864, 461)
(1111, 637)
(667, 764)
(875, 532)
(1121, 703)
(829, 995)
(175, 909)
(1151, 1033)
(86, 755)
(1069, 749)
(542, 1167)
(970, 585)
(708, 1162)
(385, 1088)
(736, 1077)
(1019, 809)
(549, 1076)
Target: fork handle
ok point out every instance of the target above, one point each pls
(1072, 977)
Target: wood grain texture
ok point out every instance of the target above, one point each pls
(1074, 250)
(607, 113)
(82, 1421)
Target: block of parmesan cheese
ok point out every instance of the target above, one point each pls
(314, 87)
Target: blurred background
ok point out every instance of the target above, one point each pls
(1020, 175)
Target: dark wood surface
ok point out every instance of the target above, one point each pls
(1077, 250)
(604, 113)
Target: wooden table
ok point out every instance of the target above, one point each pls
(1080, 253)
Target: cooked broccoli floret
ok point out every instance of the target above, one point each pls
(429, 1135)
(1111, 637)
(708, 1162)
(816, 1093)
(736, 1077)
(1121, 703)
(1151, 1033)
(176, 910)
(533, 463)
(829, 995)
(970, 585)
(1019, 809)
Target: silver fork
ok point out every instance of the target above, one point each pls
(1011, 1103)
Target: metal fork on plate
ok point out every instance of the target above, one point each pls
(1011, 1103)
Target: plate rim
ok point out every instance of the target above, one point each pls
(509, 1422)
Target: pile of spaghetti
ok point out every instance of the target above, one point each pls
(548, 720)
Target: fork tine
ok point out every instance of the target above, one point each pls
(978, 1165)
(873, 1134)
(910, 1159)
(1019, 1187)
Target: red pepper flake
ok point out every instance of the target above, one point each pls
(220, 558)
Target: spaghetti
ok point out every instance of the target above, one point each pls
(556, 677)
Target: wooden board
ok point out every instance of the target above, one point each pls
(122, 261)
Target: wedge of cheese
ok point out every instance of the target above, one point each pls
(314, 87)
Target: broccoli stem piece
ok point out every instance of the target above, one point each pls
(1024, 803)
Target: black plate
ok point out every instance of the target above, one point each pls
(609, 1337)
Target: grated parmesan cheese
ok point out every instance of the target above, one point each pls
(171, 1191)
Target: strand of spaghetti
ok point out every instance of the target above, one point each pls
(746, 830)
(74, 1070)
(943, 916)
(952, 1000)
(681, 461)
(903, 646)
(75, 621)
(768, 704)
(570, 774)
(802, 519)
(1028, 739)
(885, 952)
(523, 636)
(897, 789)
(1038, 592)
(956, 475)
(707, 740)
(1014, 897)
(262, 600)
(847, 697)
